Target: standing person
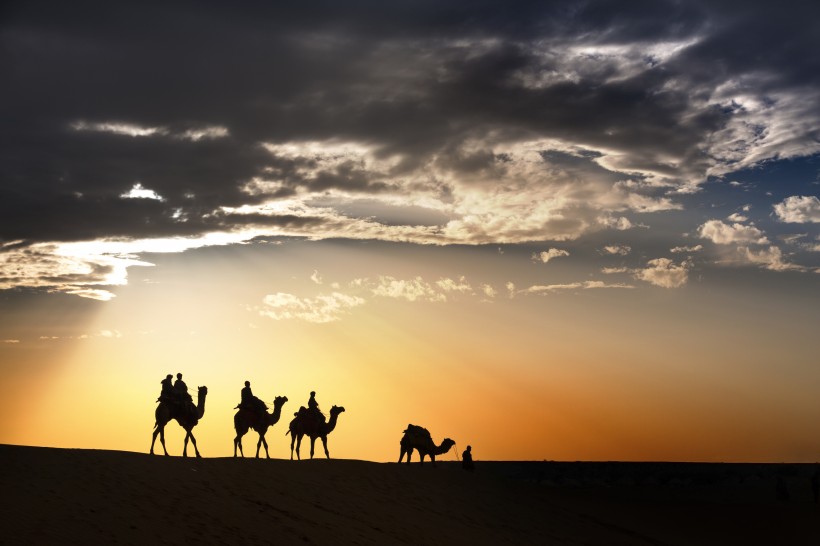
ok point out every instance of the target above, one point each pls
(467, 459)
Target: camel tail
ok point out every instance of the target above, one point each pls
(287, 432)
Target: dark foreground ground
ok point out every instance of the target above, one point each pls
(56, 496)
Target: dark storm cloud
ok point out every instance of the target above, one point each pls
(411, 79)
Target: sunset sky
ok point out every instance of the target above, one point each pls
(565, 230)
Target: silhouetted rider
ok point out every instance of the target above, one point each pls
(251, 402)
(247, 395)
(313, 408)
(167, 392)
(182, 390)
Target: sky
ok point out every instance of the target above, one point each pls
(561, 230)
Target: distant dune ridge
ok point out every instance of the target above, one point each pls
(61, 496)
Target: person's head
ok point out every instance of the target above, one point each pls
(313, 393)
(247, 383)
(179, 376)
(469, 448)
(169, 376)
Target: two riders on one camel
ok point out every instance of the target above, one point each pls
(175, 403)
(176, 394)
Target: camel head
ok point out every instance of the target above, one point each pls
(448, 444)
(279, 401)
(336, 410)
(203, 391)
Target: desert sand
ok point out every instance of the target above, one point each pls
(74, 496)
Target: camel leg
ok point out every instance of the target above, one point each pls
(193, 441)
(237, 442)
(185, 445)
(324, 444)
(161, 432)
(265, 443)
(312, 445)
(292, 441)
(298, 447)
(258, 445)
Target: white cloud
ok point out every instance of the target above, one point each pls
(613, 270)
(416, 289)
(126, 129)
(622, 223)
(687, 249)
(768, 258)
(488, 290)
(211, 132)
(11, 341)
(510, 286)
(547, 255)
(779, 124)
(723, 234)
(792, 238)
(134, 130)
(545, 289)
(736, 217)
(315, 277)
(618, 250)
(665, 273)
(92, 293)
(139, 192)
(799, 209)
(321, 309)
(586, 285)
(450, 285)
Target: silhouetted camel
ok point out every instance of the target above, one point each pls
(301, 426)
(186, 419)
(419, 438)
(246, 419)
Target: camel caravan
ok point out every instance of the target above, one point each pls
(175, 403)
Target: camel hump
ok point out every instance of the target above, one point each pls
(417, 431)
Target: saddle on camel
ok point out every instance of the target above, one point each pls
(250, 402)
(311, 414)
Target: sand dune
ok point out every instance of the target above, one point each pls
(63, 496)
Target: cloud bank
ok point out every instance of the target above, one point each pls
(424, 123)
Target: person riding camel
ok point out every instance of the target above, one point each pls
(313, 408)
(251, 402)
(167, 392)
(183, 396)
